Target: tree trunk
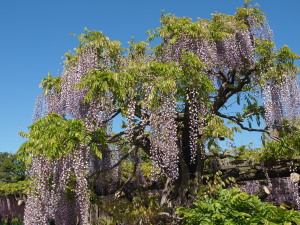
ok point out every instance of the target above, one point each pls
(177, 192)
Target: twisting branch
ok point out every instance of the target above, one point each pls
(239, 122)
(227, 89)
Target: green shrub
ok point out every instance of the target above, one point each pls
(232, 207)
(20, 187)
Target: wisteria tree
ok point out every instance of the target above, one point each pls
(175, 101)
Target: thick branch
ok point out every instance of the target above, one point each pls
(228, 89)
(239, 122)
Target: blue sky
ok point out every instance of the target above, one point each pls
(35, 34)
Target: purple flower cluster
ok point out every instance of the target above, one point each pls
(72, 98)
(163, 137)
(230, 53)
(197, 113)
(281, 100)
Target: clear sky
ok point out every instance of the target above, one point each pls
(35, 34)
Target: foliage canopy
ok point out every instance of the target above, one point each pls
(175, 102)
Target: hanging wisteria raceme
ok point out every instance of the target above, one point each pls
(39, 108)
(50, 181)
(163, 137)
(197, 112)
(50, 103)
(72, 98)
(272, 103)
(280, 97)
(81, 166)
(291, 97)
(204, 48)
(98, 110)
(230, 53)
(130, 118)
(54, 104)
(235, 51)
(277, 100)
(193, 123)
(260, 29)
(98, 113)
(39, 207)
(281, 100)
(66, 212)
(49, 185)
(43, 201)
(69, 101)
